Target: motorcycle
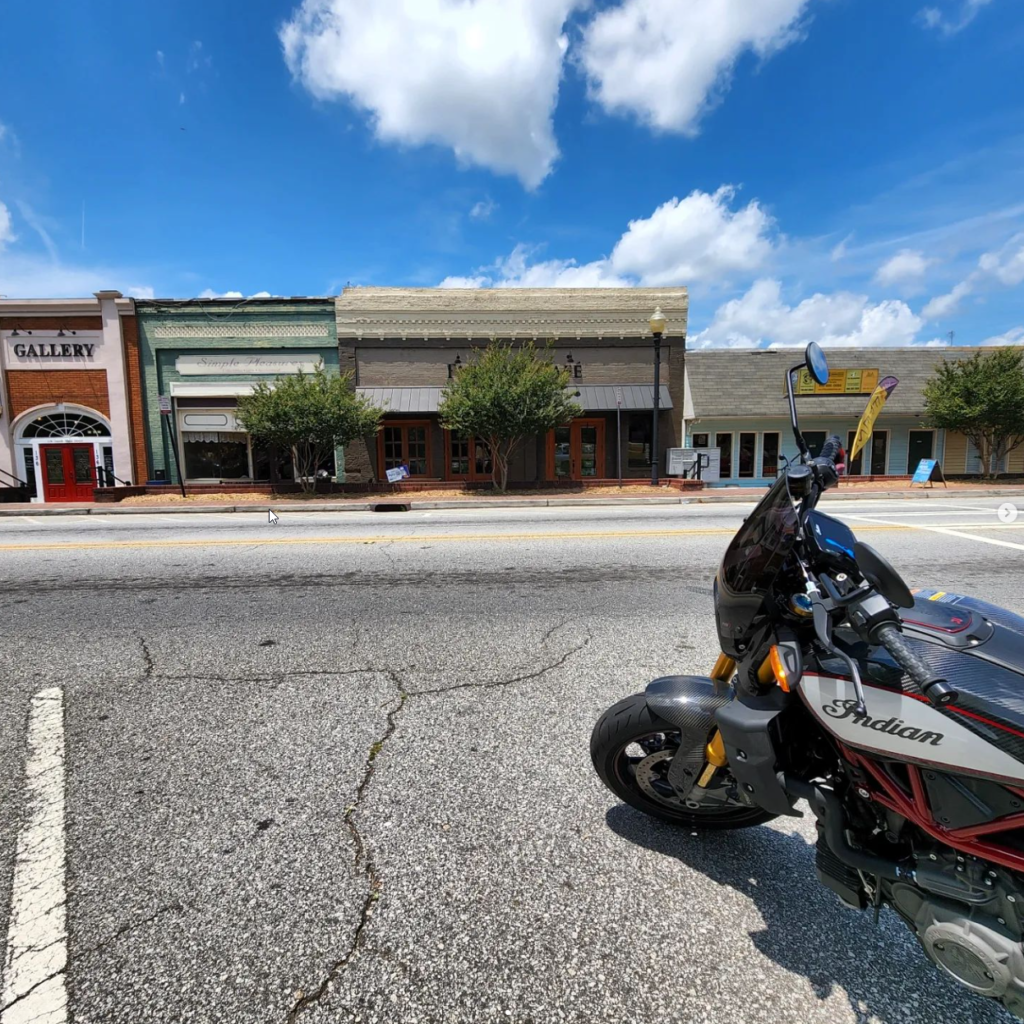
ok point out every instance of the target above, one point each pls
(897, 716)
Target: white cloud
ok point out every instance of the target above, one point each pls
(478, 76)
(1007, 264)
(699, 238)
(140, 291)
(160, 57)
(260, 295)
(906, 269)
(479, 281)
(696, 239)
(1003, 266)
(669, 61)
(29, 277)
(839, 252)
(209, 293)
(3, 131)
(841, 319)
(6, 230)
(932, 17)
(1014, 336)
(483, 209)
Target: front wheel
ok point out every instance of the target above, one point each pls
(632, 748)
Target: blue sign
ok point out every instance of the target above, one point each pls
(923, 473)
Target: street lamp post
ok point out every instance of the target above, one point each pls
(657, 323)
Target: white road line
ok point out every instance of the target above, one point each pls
(36, 955)
(948, 531)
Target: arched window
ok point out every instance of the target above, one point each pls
(65, 424)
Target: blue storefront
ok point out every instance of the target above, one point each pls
(735, 401)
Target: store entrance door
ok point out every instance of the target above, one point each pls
(576, 451)
(69, 472)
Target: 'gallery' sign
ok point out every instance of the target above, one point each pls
(242, 364)
(53, 350)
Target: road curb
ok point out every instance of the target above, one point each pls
(698, 498)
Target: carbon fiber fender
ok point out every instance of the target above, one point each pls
(689, 703)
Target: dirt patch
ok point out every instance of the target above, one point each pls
(248, 498)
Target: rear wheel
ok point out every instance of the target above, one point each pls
(632, 747)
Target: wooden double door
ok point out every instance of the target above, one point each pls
(576, 451)
(69, 471)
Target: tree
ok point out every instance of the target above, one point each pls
(982, 397)
(310, 414)
(505, 395)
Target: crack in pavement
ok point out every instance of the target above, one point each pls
(39, 984)
(129, 926)
(147, 659)
(375, 881)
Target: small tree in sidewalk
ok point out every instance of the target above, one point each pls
(504, 395)
(982, 397)
(309, 414)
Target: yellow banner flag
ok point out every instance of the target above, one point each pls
(885, 388)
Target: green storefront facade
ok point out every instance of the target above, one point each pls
(200, 355)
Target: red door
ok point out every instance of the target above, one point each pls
(69, 472)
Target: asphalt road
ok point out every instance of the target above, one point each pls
(337, 769)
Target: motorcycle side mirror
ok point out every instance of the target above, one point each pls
(816, 363)
(882, 576)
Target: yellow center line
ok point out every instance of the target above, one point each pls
(408, 539)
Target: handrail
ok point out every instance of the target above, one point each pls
(103, 471)
(21, 483)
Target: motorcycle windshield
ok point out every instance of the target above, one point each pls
(760, 547)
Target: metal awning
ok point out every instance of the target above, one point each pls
(635, 397)
(593, 398)
(403, 400)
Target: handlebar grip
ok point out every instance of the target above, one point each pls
(831, 448)
(935, 688)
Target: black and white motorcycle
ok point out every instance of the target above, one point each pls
(898, 716)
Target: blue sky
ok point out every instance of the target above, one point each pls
(849, 171)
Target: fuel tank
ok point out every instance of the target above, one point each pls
(978, 647)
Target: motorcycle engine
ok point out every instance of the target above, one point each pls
(966, 917)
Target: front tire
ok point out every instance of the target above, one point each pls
(631, 748)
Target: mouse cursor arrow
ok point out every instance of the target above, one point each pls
(272, 516)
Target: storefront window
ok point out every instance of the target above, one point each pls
(748, 445)
(724, 443)
(638, 451)
(405, 444)
(226, 458)
(700, 441)
(879, 451)
(770, 454)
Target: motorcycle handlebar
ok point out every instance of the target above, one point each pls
(935, 688)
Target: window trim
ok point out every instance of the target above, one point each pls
(888, 450)
(778, 453)
(753, 456)
(405, 425)
(472, 475)
(732, 452)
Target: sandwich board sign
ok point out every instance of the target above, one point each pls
(927, 471)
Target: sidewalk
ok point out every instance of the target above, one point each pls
(711, 496)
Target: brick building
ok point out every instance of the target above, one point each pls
(70, 402)
(403, 344)
(201, 355)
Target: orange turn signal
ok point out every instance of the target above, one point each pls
(779, 668)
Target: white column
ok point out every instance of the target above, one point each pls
(7, 450)
(117, 385)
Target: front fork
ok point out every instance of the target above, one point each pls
(714, 752)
